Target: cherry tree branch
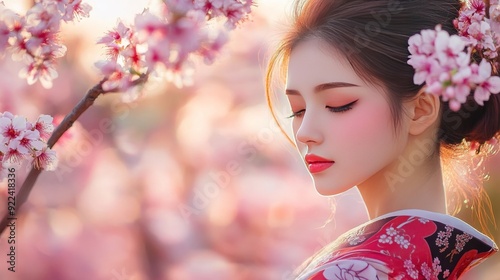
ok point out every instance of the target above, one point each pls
(487, 9)
(82, 106)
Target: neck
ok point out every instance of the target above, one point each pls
(405, 184)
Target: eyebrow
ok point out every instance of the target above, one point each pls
(322, 87)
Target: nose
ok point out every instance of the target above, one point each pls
(309, 130)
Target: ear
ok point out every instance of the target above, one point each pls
(424, 112)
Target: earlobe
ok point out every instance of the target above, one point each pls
(426, 108)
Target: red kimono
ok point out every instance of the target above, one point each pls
(403, 245)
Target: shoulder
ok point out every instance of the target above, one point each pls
(408, 244)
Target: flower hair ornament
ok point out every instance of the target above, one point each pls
(454, 66)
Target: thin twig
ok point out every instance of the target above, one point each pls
(487, 8)
(78, 110)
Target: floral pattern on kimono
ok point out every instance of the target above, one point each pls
(403, 245)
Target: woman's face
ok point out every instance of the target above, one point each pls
(339, 117)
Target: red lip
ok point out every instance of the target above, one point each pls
(317, 164)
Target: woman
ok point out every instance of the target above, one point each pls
(390, 96)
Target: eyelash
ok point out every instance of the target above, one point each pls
(340, 109)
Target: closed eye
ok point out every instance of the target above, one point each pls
(339, 109)
(297, 114)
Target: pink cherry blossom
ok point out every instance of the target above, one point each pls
(447, 48)
(463, 76)
(187, 33)
(44, 126)
(168, 41)
(423, 43)
(461, 83)
(495, 18)
(210, 49)
(7, 114)
(15, 153)
(44, 41)
(437, 62)
(209, 7)
(179, 7)
(44, 71)
(117, 76)
(15, 23)
(126, 64)
(487, 84)
(46, 15)
(34, 38)
(424, 67)
(28, 140)
(475, 28)
(236, 12)
(478, 6)
(76, 9)
(119, 33)
(61, 5)
(478, 34)
(149, 26)
(158, 53)
(12, 128)
(133, 58)
(45, 159)
(445, 62)
(20, 139)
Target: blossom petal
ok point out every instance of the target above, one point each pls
(484, 70)
(481, 95)
(420, 77)
(494, 84)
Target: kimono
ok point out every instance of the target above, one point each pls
(403, 245)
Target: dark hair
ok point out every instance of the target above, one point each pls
(373, 36)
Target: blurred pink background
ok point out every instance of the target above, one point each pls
(191, 183)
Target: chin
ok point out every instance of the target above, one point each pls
(331, 189)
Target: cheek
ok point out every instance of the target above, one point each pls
(370, 128)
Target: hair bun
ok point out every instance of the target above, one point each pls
(472, 122)
(488, 125)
